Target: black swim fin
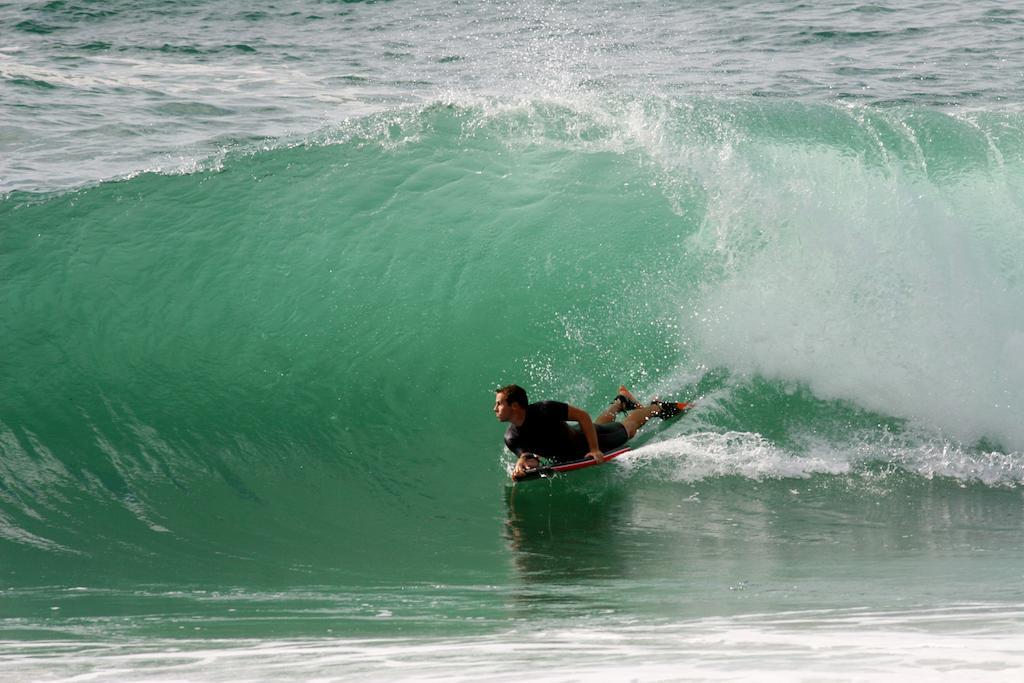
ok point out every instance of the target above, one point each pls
(626, 403)
(667, 409)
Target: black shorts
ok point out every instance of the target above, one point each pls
(610, 435)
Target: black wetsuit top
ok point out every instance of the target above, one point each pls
(544, 432)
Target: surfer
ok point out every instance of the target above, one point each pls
(542, 429)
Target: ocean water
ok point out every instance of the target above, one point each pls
(261, 267)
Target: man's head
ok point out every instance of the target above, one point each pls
(510, 402)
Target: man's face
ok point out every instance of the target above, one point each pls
(502, 408)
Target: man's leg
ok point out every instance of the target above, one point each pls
(616, 407)
(608, 415)
(638, 417)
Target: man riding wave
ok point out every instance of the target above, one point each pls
(541, 429)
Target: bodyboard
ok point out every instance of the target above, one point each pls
(546, 471)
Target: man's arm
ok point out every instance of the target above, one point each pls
(526, 461)
(587, 427)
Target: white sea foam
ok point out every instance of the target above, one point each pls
(701, 455)
(902, 296)
(707, 454)
(978, 642)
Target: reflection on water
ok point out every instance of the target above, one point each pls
(661, 549)
(562, 530)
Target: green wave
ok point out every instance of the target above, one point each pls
(283, 364)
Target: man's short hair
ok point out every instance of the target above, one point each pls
(513, 393)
